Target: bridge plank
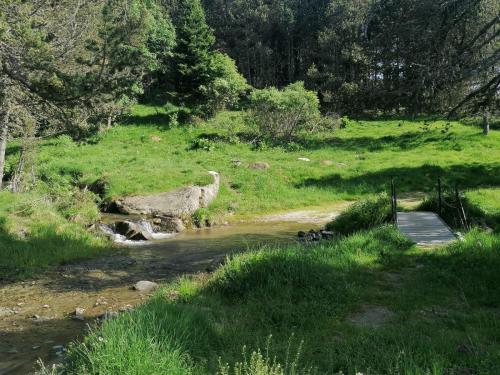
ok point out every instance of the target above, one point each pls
(425, 228)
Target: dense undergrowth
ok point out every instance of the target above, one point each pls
(439, 313)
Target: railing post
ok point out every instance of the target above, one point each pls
(440, 198)
(394, 201)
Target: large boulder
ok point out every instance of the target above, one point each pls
(174, 204)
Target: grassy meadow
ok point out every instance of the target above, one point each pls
(371, 303)
(150, 153)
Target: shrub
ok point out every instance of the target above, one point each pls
(366, 214)
(449, 211)
(227, 86)
(280, 114)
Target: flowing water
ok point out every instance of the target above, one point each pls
(37, 315)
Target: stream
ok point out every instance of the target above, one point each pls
(37, 320)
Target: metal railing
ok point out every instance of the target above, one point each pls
(455, 205)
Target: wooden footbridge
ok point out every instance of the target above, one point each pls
(428, 228)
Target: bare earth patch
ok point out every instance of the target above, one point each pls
(371, 317)
(318, 216)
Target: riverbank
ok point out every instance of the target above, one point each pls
(370, 303)
(42, 310)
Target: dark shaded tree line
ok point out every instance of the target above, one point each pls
(379, 56)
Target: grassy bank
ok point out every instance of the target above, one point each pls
(369, 303)
(149, 154)
(38, 231)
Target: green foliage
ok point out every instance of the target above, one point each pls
(362, 215)
(226, 87)
(282, 114)
(192, 59)
(263, 364)
(475, 213)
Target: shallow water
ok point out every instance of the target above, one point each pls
(103, 284)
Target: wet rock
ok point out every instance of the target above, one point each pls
(260, 166)
(58, 348)
(5, 311)
(78, 314)
(126, 308)
(37, 319)
(327, 235)
(168, 224)
(132, 231)
(12, 351)
(108, 315)
(216, 263)
(36, 347)
(145, 286)
(302, 234)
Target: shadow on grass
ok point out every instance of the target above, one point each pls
(406, 141)
(409, 179)
(22, 258)
(159, 120)
(441, 309)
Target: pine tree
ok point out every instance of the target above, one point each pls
(193, 54)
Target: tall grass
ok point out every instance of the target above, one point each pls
(365, 214)
(442, 308)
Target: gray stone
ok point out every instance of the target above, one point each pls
(5, 311)
(178, 203)
(79, 314)
(108, 315)
(145, 286)
(260, 166)
(132, 231)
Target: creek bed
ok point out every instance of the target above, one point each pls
(103, 284)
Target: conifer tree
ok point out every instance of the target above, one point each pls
(193, 54)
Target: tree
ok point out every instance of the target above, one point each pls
(192, 56)
(67, 67)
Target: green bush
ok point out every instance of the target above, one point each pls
(281, 114)
(227, 87)
(449, 211)
(365, 214)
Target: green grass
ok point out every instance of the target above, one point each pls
(37, 232)
(444, 306)
(345, 163)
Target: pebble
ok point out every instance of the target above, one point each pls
(307, 160)
(5, 311)
(58, 348)
(36, 347)
(46, 306)
(126, 308)
(145, 286)
(78, 314)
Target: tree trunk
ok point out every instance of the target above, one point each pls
(486, 123)
(4, 133)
